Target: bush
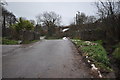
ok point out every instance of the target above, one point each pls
(23, 25)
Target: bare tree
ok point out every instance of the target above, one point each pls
(81, 18)
(3, 2)
(7, 18)
(49, 17)
(50, 20)
(108, 12)
(32, 21)
(108, 8)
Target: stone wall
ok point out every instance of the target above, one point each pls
(22, 35)
(28, 35)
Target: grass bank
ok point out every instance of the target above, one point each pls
(6, 41)
(28, 42)
(95, 53)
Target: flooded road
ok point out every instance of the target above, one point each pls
(44, 59)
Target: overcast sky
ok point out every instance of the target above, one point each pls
(67, 10)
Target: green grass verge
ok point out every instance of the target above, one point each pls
(28, 42)
(6, 41)
(98, 41)
(52, 38)
(95, 52)
(9, 42)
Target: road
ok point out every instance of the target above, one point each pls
(44, 59)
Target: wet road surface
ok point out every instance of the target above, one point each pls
(44, 59)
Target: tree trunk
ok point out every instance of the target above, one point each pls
(3, 27)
